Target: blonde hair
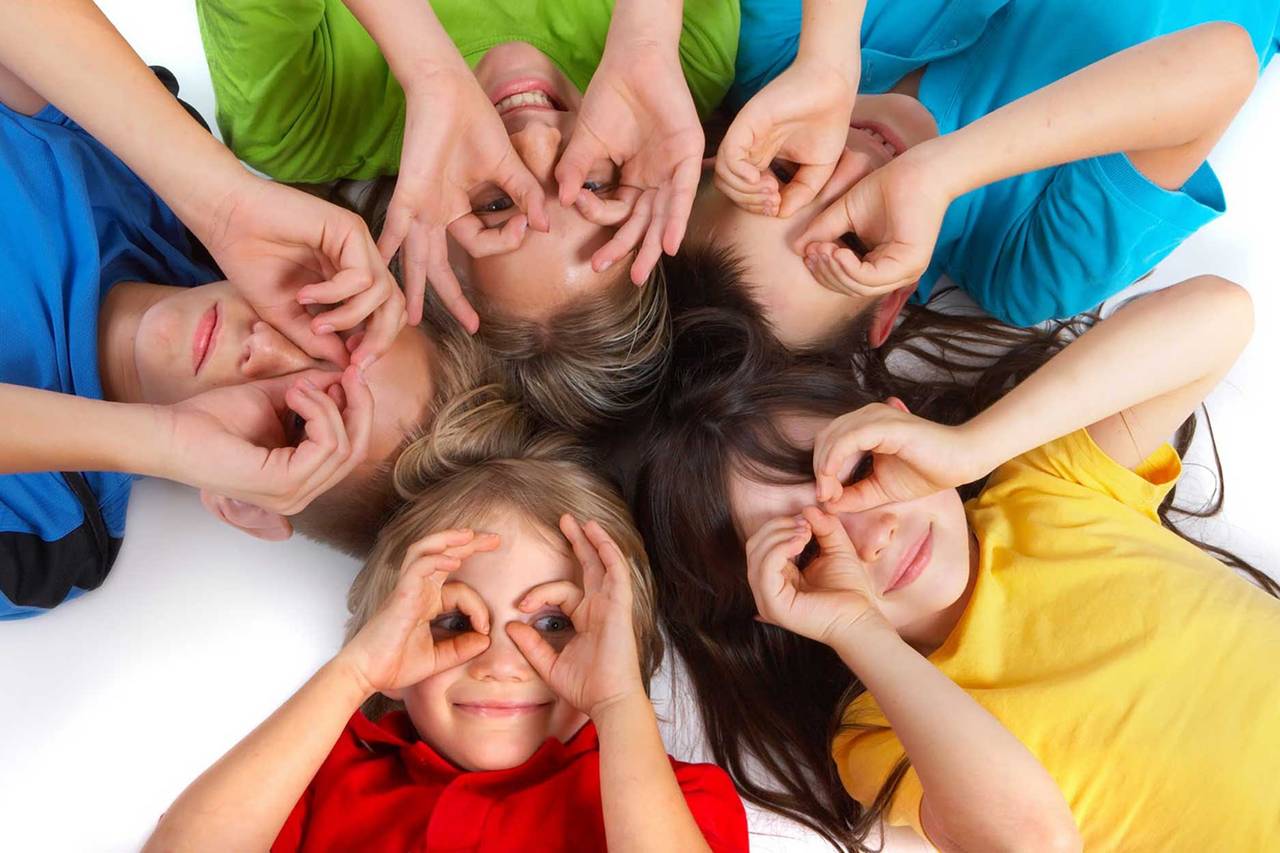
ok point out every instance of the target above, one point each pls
(484, 457)
(592, 364)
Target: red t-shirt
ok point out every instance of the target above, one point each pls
(384, 789)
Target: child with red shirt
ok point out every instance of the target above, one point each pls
(518, 643)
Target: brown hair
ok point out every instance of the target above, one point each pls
(767, 696)
(484, 456)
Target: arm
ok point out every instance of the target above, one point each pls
(598, 672)
(241, 802)
(1132, 379)
(983, 790)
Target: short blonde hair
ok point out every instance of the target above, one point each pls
(484, 457)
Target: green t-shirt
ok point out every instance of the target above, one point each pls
(305, 95)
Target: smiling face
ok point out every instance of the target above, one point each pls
(916, 553)
(539, 106)
(493, 712)
(802, 311)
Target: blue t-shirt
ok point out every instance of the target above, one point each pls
(1058, 241)
(74, 220)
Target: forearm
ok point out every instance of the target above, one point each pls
(241, 802)
(831, 34)
(1176, 342)
(119, 101)
(50, 431)
(411, 38)
(983, 790)
(1174, 92)
(644, 809)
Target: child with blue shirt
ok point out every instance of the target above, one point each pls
(1041, 155)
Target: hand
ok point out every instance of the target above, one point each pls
(896, 211)
(637, 112)
(395, 648)
(283, 249)
(600, 665)
(802, 116)
(832, 594)
(232, 441)
(454, 142)
(910, 458)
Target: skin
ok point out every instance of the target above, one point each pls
(884, 537)
(799, 307)
(539, 136)
(445, 706)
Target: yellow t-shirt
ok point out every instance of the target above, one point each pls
(1143, 673)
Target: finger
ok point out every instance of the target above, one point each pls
(436, 543)
(830, 533)
(650, 253)
(861, 496)
(395, 228)
(414, 256)
(445, 283)
(481, 242)
(617, 568)
(576, 161)
(458, 650)
(627, 237)
(351, 313)
(357, 422)
(563, 594)
(804, 187)
(760, 197)
(524, 189)
(324, 439)
(679, 203)
(536, 650)
(481, 542)
(455, 595)
(344, 285)
(826, 227)
(323, 347)
(608, 212)
(734, 153)
(877, 273)
(381, 331)
(588, 557)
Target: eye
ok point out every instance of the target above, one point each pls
(597, 186)
(782, 171)
(553, 623)
(805, 557)
(497, 205)
(447, 624)
(862, 470)
(295, 428)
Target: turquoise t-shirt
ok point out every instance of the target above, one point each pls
(1058, 241)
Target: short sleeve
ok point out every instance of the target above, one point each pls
(1076, 459)
(867, 755)
(708, 49)
(1097, 226)
(303, 93)
(714, 804)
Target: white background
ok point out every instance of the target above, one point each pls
(111, 704)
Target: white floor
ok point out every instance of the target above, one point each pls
(112, 703)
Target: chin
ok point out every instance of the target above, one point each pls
(503, 758)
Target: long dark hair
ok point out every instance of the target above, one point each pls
(771, 700)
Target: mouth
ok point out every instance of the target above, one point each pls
(501, 709)
(882, 135)
(527, 94)
(206, 338)
(913, 563)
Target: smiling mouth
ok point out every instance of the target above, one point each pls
(526, 95)
(501, 709)
(913, 563)
(881, 135)
(206, 338)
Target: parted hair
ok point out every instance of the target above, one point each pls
(485, 459)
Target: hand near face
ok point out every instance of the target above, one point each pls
(283, 249)
(600, 664)
(896, 212)
(802, 116)
(232, 442)
(395, 648)
(454, 143)
(831, 594)
(910, 457)
(637, 112)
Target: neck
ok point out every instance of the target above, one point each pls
(118, 323)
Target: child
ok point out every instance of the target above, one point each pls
(1054, 607)
(306, 95)
(1109, 158)
(516, 644)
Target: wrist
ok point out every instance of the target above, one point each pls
(984, 442)
(620, 706)
(152, 448)
(346, 671)
(645, 25)
(863, 641)
(940, 166)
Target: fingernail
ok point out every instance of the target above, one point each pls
(306, 300)
(810, 261)
(605, 266)
(324, 329)
(310, 384)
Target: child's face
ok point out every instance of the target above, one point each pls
(802, 311)
(174, 361)
(547, 271)
(916, 553)
(493, 712)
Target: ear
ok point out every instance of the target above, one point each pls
(253, 520)
(886, 311)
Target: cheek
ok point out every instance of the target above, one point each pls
(159, 359)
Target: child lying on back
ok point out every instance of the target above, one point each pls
(515, 643)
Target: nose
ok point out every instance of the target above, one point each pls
(538, 144)
(268, 354)
(501, 661)
(870, 532)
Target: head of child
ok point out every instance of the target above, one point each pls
(483, 467)
(167, 344)
(803, 312)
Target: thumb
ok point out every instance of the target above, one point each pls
(863, 495)
(804, 187)
(571, 170)
(520, 184)
(458, 650)
(536, 650)
(830, 534)
(827, 227)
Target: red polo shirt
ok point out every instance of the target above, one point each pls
(383, 789)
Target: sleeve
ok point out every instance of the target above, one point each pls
(295, 826)
(714, 804)
(708, 50)
(1097, 226)
(1077, 459)
(768, 41)
(303, 93)
(866, 755)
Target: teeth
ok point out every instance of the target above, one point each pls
(524, 99)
